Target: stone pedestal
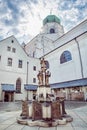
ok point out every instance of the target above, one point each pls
(56, 111)
(45, 114)
(36, 111)
(46, 111)
(25, 110)
(42, 92)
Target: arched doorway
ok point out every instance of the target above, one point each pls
(9, 97)
(18, 85)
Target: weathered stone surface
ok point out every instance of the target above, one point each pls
(55, 110)
(37, 110)
(46, 110)
(25, 109)
(42, 123)
(68, 118)
(62, 122)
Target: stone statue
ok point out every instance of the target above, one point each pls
(47, 75)
(40, 77)
(43, 75)
(43, 65)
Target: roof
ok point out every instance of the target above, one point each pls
(73, 83)
(51, 18)
(64, 42)
(8, 87)
(30, 87)
(67, 84)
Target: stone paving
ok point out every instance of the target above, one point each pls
(78, 110)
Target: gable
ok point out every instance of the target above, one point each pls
(13, 44)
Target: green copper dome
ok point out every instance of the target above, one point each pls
(51, 18)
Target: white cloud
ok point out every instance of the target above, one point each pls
(24, 18)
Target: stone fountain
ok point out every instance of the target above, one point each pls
(46, 110)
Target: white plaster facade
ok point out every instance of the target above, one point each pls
(70, 70)
(10, 74)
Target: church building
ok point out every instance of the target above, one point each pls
(66, 56)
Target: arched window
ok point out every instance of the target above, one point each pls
(18, 85)
(65, 57)
(52, 30)
(47, 64)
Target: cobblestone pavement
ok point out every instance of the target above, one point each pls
(10, 111)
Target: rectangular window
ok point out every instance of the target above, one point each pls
(0, 58)
(20, 64)
(34, 68)
(8, 48)
(9, 61)
(34, 80)
(13, 50)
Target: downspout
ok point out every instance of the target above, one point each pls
(80, 58)
(27, 78)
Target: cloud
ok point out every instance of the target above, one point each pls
(24, 18)
(72, 12)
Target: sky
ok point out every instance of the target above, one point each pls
(24, 18)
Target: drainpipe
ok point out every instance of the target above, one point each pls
(27, 78)
(80, 57)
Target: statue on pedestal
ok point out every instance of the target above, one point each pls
(40, 78)
(43, 75)
(46, 110)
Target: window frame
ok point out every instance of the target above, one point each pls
(52, 30)
(10, 61)
(34, 80)
(0, 57)
(8, 48)
(34, 68)
(13, 50)
(20, 64)
(65, 57)
(18, 85)
(12, 41)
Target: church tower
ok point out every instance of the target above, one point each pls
(44, 42)
(52, 27)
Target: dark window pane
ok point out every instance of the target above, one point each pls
(65, 56)
(12, 41)
(0, 58)
(9, 61)
(34, 68)
(34, 80)
(8, 48)
(13, 50)
(20, 64)
(52, 30)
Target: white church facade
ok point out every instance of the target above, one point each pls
(66, 55)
